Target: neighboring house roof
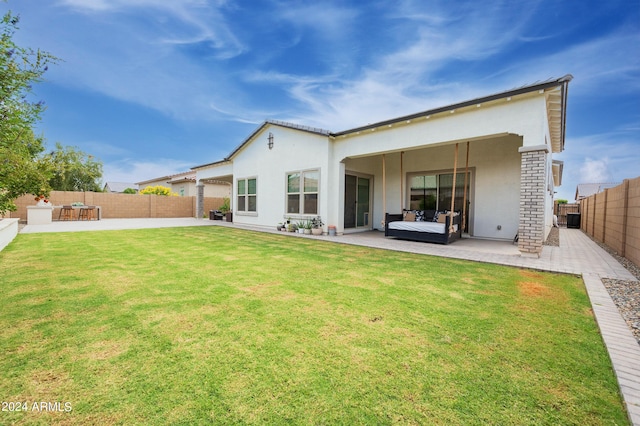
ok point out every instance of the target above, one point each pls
(555, 90)
(119, 186)
(584, 190)
(175, 178)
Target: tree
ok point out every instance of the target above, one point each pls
(158, 190)
(73, 170)
(22, 169)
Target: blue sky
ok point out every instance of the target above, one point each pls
(154, 87)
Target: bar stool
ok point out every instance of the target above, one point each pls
(66, 213)
(86, 213)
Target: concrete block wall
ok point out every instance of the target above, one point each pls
(612, 217)
(122, 206)
(600, 203)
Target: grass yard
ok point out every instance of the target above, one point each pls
(217, 325)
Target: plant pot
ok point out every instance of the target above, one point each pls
(301, 231)
(307, 231)
(316, 231)
(332, 231)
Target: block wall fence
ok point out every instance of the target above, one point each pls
(122, 206)
(612, 217)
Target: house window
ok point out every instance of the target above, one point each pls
(433, 192)
(302, 192)
(247, 195)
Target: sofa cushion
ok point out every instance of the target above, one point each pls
(410, 216)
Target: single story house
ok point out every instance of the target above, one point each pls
(118, 187)
(501, 147)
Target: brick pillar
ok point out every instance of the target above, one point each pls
(533, 185)
(199, 200)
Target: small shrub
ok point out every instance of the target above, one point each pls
(158, 190)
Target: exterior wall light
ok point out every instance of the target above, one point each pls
(270, 139)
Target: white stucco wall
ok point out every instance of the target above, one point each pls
(525, 117)
(292, 151)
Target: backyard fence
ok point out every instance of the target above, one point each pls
(613, 218)
(122, 206)
(562, 210)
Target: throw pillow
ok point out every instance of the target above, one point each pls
(410, 217)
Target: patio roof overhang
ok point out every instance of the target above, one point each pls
(554, 90)
(218, 180)
(216, 172)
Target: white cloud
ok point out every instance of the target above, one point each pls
(595, 171)
(133, 171)
(146, 58)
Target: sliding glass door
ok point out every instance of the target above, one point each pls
(356, 201)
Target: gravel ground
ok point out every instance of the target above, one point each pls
(625, 294)
(554, 238)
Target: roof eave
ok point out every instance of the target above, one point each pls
(563, 81)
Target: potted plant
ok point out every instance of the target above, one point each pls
(225, 208)
(316, 225)
(290, 227)
(308, 225)
(300, 226)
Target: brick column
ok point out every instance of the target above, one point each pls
(199, 200)
(533, 184)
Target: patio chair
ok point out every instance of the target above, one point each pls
(66, 213)
(86, 213)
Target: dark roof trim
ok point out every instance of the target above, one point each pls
(209, 164)
(514, 92)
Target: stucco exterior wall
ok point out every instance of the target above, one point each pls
(292, 151)
(524, 117)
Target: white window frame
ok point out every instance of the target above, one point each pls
(246, 196)
(302, 193)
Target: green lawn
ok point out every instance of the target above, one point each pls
(217, 325)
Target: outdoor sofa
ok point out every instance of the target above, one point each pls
(423, 225)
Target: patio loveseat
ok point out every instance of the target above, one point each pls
(423, 225)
